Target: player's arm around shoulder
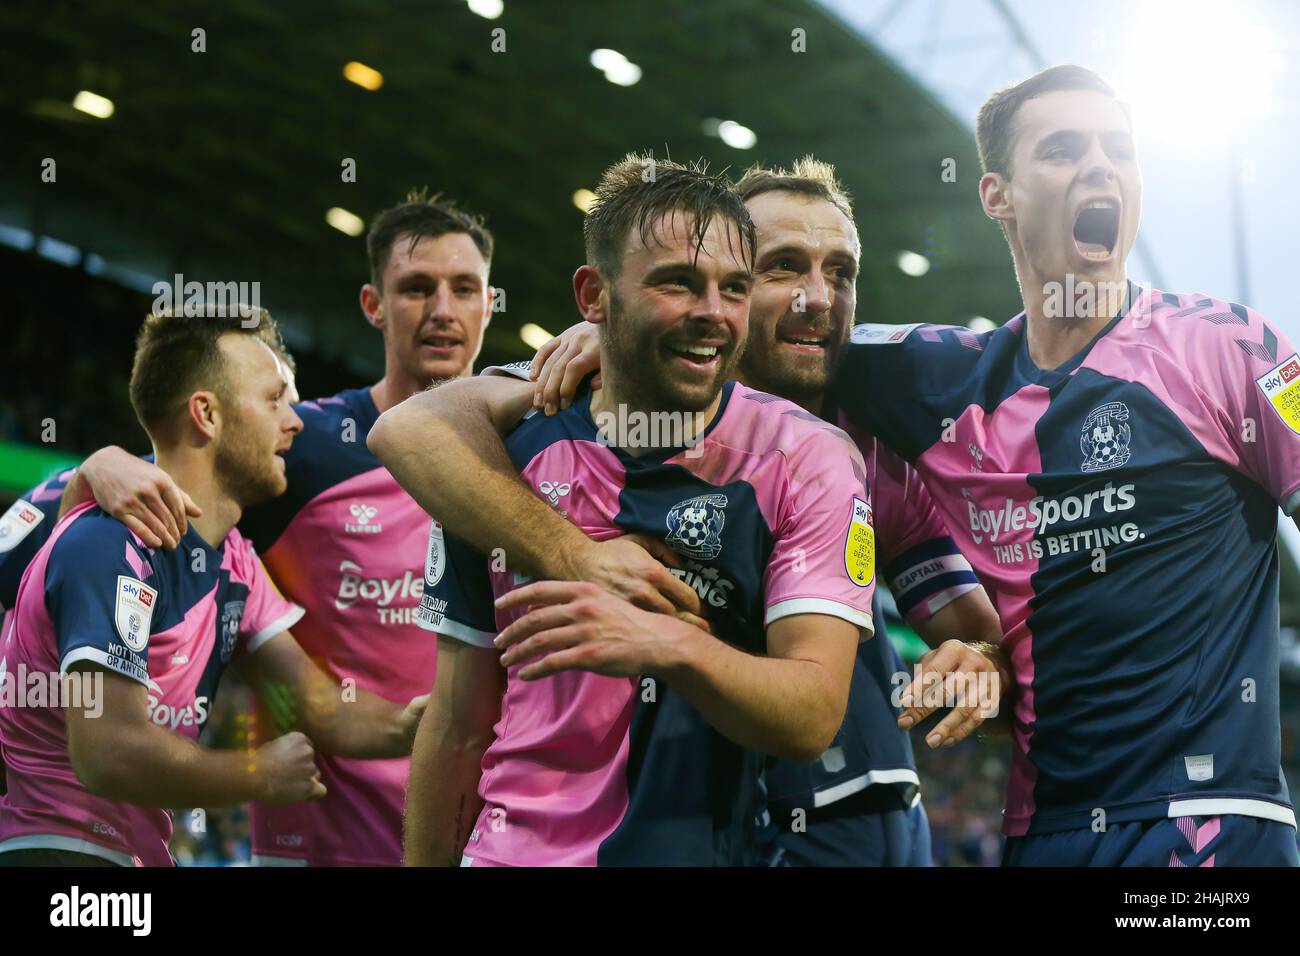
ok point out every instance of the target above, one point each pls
(442, 800)
(136, 492)
(444, 446)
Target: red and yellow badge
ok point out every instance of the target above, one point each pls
(860, 545)
(1281, 386)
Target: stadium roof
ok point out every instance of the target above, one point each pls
(221, 165)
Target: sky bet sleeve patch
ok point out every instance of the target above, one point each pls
(876, 334)
(1281, 386)
(18, 523)
(134, 611)
(860, 545)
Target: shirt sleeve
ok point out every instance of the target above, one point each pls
(897, 381)
(458, 597)
(101, 596)
(519, 370)
(24, 529)
(1255, 380)
(266, 611)
(923, 566)
(823, 561)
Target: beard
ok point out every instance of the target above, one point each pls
(244, 468)
(649, 377)
(769, 368)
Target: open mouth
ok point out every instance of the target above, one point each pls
(440, 342)
(805, 341)
(696, 354)
(1096, 229)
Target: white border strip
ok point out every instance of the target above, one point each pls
(848, 788)
(460, 632)
(51, 841)
(96, 656)
(285, 621)
(820, 606)
(1219, 806)
(941, 599)
(263, 859)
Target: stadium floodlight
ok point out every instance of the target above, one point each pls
(487, 9)
(626, 73)
(913, 263)
(604, 59)
(583, 198)
(1210, 67)
(534, 336)
(348, 223)
(617, 68)
(736, 136)
(93, 104)
(363, 76)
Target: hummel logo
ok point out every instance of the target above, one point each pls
(555, 490)
(362, 515)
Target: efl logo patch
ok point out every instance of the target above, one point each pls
(18, 523)
(1281, 386)
(860, 545)
(134, 611)
(870, 333)
(435, 562)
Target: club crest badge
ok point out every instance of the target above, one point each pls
(231, 615)
(1106, 437)
(695, 526)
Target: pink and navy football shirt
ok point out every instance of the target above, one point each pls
(24, 528)
(1121, 511)
(925, 571)
(347, 544)
(171, 620)
(771, 518)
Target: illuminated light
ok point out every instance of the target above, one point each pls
(978, 323)
(624, 74)
(736, 136)
(345, 222)
(534, 336)
(583, 198)
(1181, 91)
(363, 76)
(64, 253)
(487, 9)
(604, 59)
(913, 263)
(617, 68)
(93, 104)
